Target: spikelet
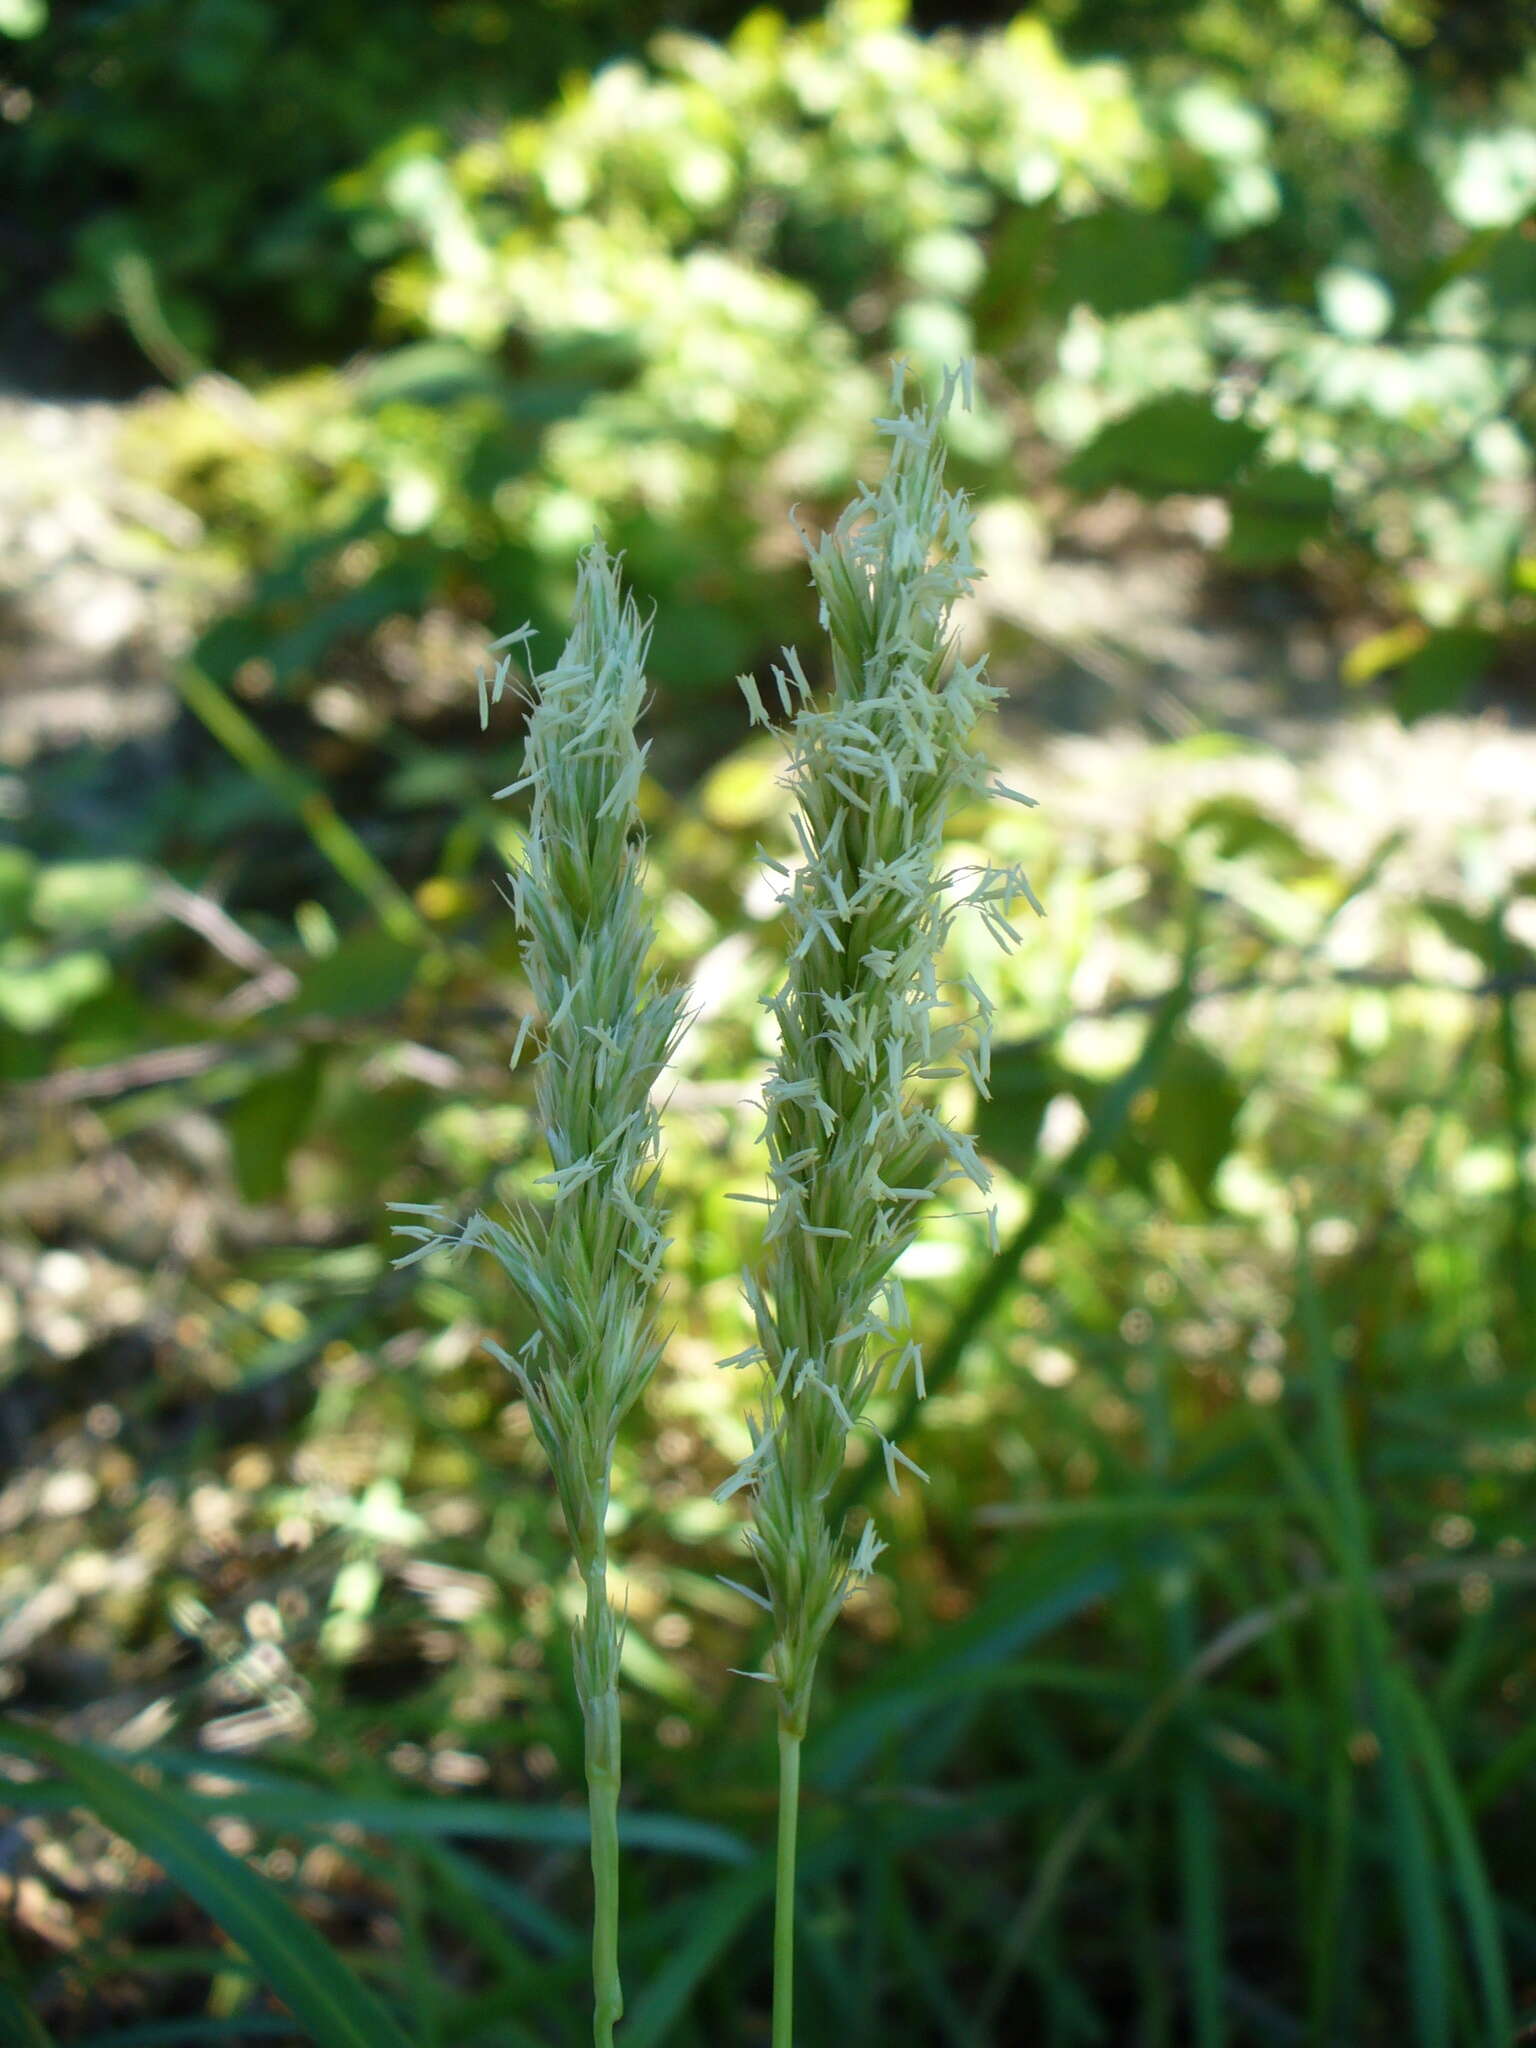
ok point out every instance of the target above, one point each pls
(855, 1148)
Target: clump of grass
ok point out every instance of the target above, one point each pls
(587, 1262)
(855, 1146)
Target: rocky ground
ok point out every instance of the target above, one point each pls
(91, 601)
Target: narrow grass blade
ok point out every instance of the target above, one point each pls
(460, 1903)
(925, 1972)
(1200, 1883)
(1195, 1814)
(1022, 1607)
(20, 2027)
(1427, 1960)
(696, 1933)
(271, 1800)
(197, 2033)
(419, 1980)
(1478, 1904)
(541, 2010)
(332, 836)
(529, 1917)
(1516, 1760)
(1522, 1241)
(710, 1932)
(295, 1963)
(1330, 1925)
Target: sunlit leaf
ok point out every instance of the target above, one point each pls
(368, 972)
(1175, 443)
(1440, 673)
(268, 1122)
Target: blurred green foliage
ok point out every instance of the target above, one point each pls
(1194, 1704)
(1277, 256)
(200, 137)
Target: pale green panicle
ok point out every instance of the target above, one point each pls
(855, 1145)
(587, 1261)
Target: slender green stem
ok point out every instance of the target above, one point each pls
(600, 1711)
(784, 1892)
(603, 1801)
(1520, 1206)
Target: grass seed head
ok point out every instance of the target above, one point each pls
(855, 1147)
(587, 1260)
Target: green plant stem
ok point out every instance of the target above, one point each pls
(600, 1714)
(331, 835)
(784, 1891)
(1520, 1246)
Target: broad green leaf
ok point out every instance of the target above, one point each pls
(368, 972)
(17, 870)
(1025, 1078)
(1379, 652)
(269, 1120)
(1118, 262)
(37, 992)
(1169, 444)
(1276, 509)
(1237, 826)
(430, 373)
(1186, 1116)
(1439, 675)
(1193, 1113)
(89, 895)
(1482, 937)
(1009, 300)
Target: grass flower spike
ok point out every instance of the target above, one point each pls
(587, 1262)
(855, 1148)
